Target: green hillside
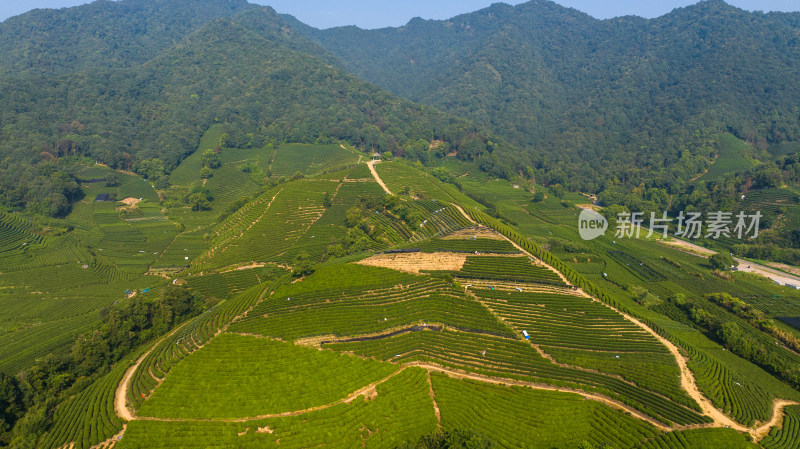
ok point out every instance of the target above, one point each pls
(200, 247)
(404, 343)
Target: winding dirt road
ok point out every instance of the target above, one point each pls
(121, 394)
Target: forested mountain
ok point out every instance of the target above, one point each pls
(147, 112)
(624, 100)
(102, 34)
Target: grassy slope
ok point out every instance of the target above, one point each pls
(732, 157)
(236, 377)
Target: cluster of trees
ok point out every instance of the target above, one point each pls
(361, 234)
(722, 261)
(209, 160)
(724, 194)
(453, 439)
(200, 198)
(154, 171)
(12, 406)
(48, 188)
(738, 341)
(755, 317)
(33, 393)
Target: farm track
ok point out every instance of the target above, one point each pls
(432, 394)
(371, 165)
(121, 394)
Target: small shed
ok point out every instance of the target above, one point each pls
(376, 156)
(103, 197)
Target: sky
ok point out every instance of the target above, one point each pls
(377, 14)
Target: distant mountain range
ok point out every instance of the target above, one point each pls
(602, 98)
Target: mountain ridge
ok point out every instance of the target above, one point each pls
(595, 88)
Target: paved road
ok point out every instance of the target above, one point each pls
(744, 265)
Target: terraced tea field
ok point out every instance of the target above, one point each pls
(295, 312)
(267, 228)
(52, 284)
(375, 350)
(237, 376)
(552, 419)
(788, 435)
(398, 176)
(397, 410)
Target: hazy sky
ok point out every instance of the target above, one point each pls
(376, 14)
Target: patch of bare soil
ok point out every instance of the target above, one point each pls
(130, 201)
(480, 232)
(416, 262)
(688, 247)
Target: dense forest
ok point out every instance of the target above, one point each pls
(595, 103)
(250, 72)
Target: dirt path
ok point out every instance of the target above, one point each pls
(777, 415)
(109, 443)
(371, 165)
(121, 394)
(435, 405)
(787, 268)
(688, 382)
